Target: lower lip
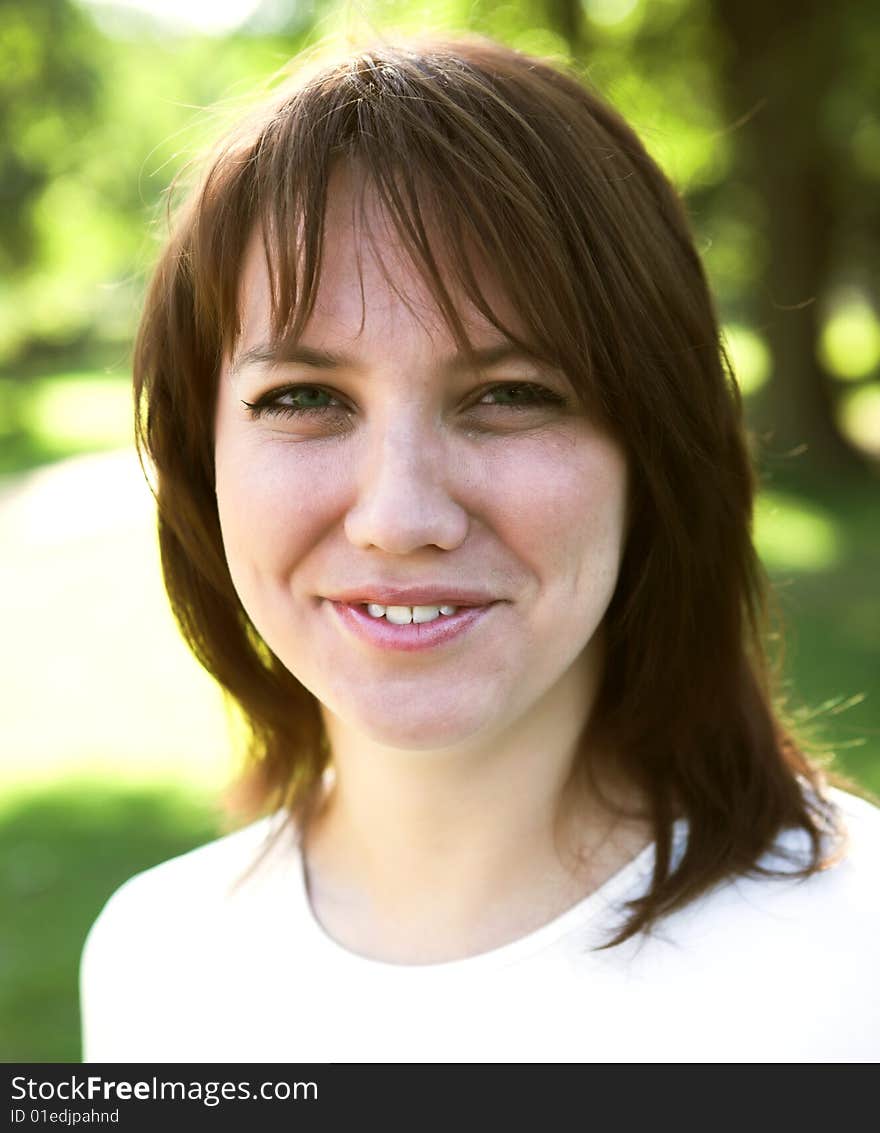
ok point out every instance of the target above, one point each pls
(415, 636)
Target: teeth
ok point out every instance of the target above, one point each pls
(404, 615)
(424, 613)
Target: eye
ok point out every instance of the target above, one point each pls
(313, 402)
(521, 395)
(295, 401)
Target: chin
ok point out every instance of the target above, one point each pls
(426, 731)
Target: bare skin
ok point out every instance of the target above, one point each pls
(439, 836)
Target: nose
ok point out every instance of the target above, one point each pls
(404, 501)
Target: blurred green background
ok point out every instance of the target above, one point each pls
(114, 744)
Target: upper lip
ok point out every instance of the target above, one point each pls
(414, 595)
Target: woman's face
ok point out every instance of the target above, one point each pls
(391, 475)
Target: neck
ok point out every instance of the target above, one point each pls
(421, 856)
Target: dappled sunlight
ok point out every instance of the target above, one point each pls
(749, 355)
(215, 18)
(541, 41)
(54, 416)
(793, 534)
(612, 14)
(859, 415)
(83, 410)
(849, 345)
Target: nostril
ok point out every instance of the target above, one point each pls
(403, 522)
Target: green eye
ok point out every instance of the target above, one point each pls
(309, 397)
(292, 402)
(313, 401)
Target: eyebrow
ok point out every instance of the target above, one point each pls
(267, 354)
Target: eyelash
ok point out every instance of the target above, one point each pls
(269, 405)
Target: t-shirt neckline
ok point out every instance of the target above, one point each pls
(583, 915)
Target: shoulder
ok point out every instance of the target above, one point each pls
(853, 881)
(168, 927)
(195, 883)
(853, 849)
(830, 915)
(862, 822)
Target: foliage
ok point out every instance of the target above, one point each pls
(50, 80)
(96, 118)
(99, 171)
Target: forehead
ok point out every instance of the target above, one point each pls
(367, 277)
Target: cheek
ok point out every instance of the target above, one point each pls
(563, 502)
(275, 501)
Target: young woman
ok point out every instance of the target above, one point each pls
(454, 502)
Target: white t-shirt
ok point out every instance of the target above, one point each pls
(185, 965)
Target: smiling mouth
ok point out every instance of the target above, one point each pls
(408, 627)
(405, 615)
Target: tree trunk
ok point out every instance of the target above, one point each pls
(780, 64)
(566, 17)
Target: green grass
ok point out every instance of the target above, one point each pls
(63, 850)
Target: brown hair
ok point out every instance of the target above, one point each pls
(507, 155)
